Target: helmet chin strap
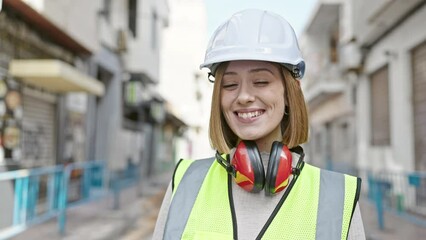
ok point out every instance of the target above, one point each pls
(210, 77)
(297, 71)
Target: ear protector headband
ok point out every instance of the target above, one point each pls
(247, 168)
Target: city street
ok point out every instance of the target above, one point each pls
(100, 99)
(136, 218)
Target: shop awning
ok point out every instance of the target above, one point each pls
(55, 76)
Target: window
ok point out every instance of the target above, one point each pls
(334, 46)
(132, 108)
(344, 138)
(154, 30)
(198, 93)
(380, 120)
(107, 10)
(353, 95)
(132, 21)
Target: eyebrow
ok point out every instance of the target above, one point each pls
(229, 73)
(255, 70)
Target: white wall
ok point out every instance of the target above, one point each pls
(185, 41)
(81, 19)
(141, 56)
(364, 11)
(76, 17)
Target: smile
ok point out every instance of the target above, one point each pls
(248, 115)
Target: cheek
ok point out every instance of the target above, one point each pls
(279, 99)
(284, 97)
(225, 102)
(224, 107)
(284, 102)
(279, 105)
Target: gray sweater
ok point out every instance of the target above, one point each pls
(252, 211)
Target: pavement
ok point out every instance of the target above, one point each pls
(395, 226)
(136, 217)
(97, 220)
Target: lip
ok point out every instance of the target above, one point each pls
(248, 120)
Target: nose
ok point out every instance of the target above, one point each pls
(246, 94)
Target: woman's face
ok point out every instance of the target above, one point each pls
(252, 101)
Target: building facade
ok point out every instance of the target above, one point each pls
(365, 87)
(78, 82)
(41, 65)
(118, 47)
(329, 91)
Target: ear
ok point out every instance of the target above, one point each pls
(286, 110)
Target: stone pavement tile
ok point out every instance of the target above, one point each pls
(396, 227)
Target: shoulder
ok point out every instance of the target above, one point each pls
(332, 177)
(186, 166)
(312, 168)
(350, 184)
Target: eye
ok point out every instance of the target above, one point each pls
(261, 83)
(229, 86)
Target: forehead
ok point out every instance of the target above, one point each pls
(247, 65)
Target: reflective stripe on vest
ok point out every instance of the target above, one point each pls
(319, 206)
(330, 203)
(183, 200)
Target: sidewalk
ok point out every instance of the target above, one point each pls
(137, 216)
(135, 219)
(396, 227)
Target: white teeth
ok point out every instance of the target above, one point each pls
(249, 114)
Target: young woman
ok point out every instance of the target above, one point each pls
(258, 186)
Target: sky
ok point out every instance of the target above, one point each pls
(296, 12)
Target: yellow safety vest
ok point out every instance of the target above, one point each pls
(318, 205)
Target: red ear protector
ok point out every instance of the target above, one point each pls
(247, 168)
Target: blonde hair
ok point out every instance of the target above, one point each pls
(294, 125)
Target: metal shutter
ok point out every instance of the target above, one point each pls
(380, 121)
(39, 129)
(419, 104)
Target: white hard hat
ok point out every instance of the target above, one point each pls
(255, 35)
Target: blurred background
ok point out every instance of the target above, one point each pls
(99, 99)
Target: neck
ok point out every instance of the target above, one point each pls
(265, 144)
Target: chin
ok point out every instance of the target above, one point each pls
(252, 137)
